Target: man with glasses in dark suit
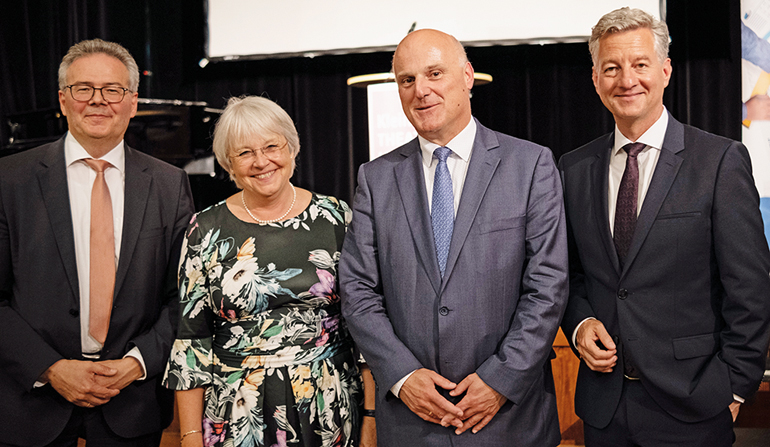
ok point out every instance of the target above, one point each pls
(90, 233)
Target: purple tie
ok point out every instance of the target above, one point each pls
(625, 209)
(625, 225)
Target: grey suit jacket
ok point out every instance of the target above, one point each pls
(692, 302)
(39, 299)
(497, 310)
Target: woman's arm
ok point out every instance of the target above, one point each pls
(369, 426)
(190, 406)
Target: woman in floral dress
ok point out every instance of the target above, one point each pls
(262, 357)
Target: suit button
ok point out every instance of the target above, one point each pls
(622, 294)
(443, 311)
(74, 312)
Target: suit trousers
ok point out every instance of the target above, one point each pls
(640, 422)
(89, 424)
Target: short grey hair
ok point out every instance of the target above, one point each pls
(627, 19)
(249, 116)
(99, 46)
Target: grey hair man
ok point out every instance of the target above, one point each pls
(669, 305)
(90, 234)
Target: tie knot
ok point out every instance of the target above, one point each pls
(633, 149)
(97, 165)
(442, 153)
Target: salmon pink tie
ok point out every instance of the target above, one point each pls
(102, 253)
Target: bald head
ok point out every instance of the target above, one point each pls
(434, 81)
(431, 38)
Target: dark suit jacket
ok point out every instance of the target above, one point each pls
(692, 303)
(39, 299)
(497, 310)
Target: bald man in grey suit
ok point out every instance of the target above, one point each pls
(458, 344)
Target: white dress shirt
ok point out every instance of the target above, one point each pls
(457, 163)
(647, 160)
(80, 180)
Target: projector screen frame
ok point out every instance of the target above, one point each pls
(311, 53)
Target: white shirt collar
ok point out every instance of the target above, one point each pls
(74, 151)
(461, 144)
(653, 137)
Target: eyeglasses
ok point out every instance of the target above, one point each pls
(84, 93)
(247, 156)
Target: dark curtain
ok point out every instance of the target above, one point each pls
(540, 93)
(34, 35)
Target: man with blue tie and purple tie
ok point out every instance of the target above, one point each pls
(454, 270)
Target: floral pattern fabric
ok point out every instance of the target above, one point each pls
(261, 329)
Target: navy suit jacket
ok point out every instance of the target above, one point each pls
(39, 298)
(692, 302)
(497, 310)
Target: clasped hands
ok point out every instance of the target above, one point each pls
(474, 411)
(90, 384)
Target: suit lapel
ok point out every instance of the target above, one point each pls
(600, 169)
(52, 178)
(411, 187)
(482, 167)
(137, 190)
(662, 179)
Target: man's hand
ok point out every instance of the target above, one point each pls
(596, 346)
(127, 370)
(758, 108)
(479, 405)
(420, 395)
(76, 381)
(734, 408)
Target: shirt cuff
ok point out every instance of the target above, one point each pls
(738, 398)
(134, 352)
(395, 389)
(574, 333)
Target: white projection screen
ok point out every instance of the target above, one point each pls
(257, 29)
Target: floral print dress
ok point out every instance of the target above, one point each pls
(261, 329)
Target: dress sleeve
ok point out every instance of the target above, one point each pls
(190, 364)
(347, 212)
(342, 216)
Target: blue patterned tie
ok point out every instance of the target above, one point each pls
(442, 208)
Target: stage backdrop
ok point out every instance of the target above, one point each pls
(541, 93)
(755, 60)
(262, 29)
